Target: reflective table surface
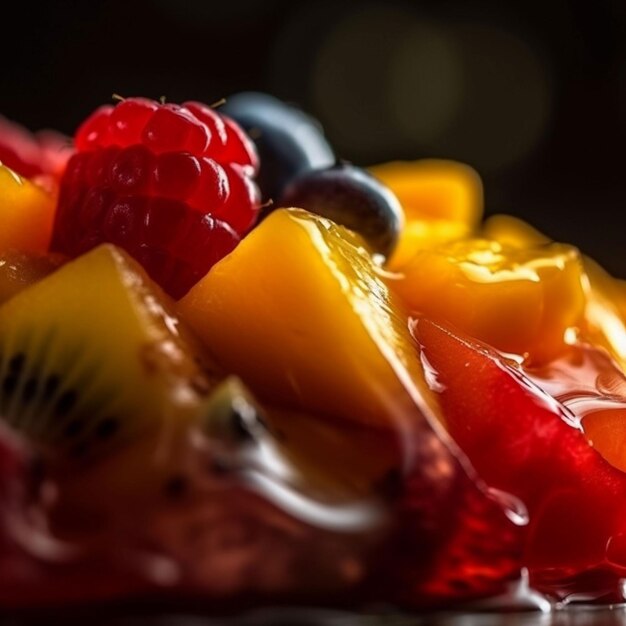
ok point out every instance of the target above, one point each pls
(576, 616)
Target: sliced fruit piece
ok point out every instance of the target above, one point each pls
(423, 234)
(333, 463)
(450, 539)
(240, 468)
(513, 232)
(588, 382)
(19, 270)
(299, 312)
(605, 319)
(520, 301)
(91, 356)
(432, 190)
(223, 507)
(605, 310)
(26, 214)
(525, 444)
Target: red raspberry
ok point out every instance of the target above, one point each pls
(170, 184)
(42, 156)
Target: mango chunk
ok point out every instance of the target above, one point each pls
(519, 301)
(605, 315)
(300, 313)
(26, 214)
(434, 188)
(421, 234)
(513, 232)
(442, 201)
(605, 307)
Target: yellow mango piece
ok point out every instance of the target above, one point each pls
(423, 234)
(442, 201)
(434, 188)
(513, 232)
(26, 214)
(300, 313)
(619, 294)
(605, 314)
(605, 306)
(519, 301)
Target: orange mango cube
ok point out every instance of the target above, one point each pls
(512, 232)
(299, 312)
(519, 301)
(442, 201)
(26, 214)
(605, 307)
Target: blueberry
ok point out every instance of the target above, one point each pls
(350, 196)
(289, 141)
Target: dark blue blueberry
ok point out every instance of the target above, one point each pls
(352, 197)
(289, 141)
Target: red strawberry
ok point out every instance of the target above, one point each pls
(170, 184)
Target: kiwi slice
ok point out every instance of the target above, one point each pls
(90, 357)
(19, 270)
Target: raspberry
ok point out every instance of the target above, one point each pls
(42, 156)
(170, 184)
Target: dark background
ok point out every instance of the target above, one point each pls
(533, 95)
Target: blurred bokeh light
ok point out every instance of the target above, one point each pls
(533, 95)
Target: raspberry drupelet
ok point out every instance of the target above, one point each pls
(171, 184)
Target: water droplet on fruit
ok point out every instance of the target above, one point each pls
(512, 506)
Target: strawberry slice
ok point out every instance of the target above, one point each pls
(524, 443)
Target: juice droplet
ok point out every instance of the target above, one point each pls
(513, 507)
(518, 596)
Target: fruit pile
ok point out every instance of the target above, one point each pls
(237, 371)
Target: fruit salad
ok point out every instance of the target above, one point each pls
(237, 371)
